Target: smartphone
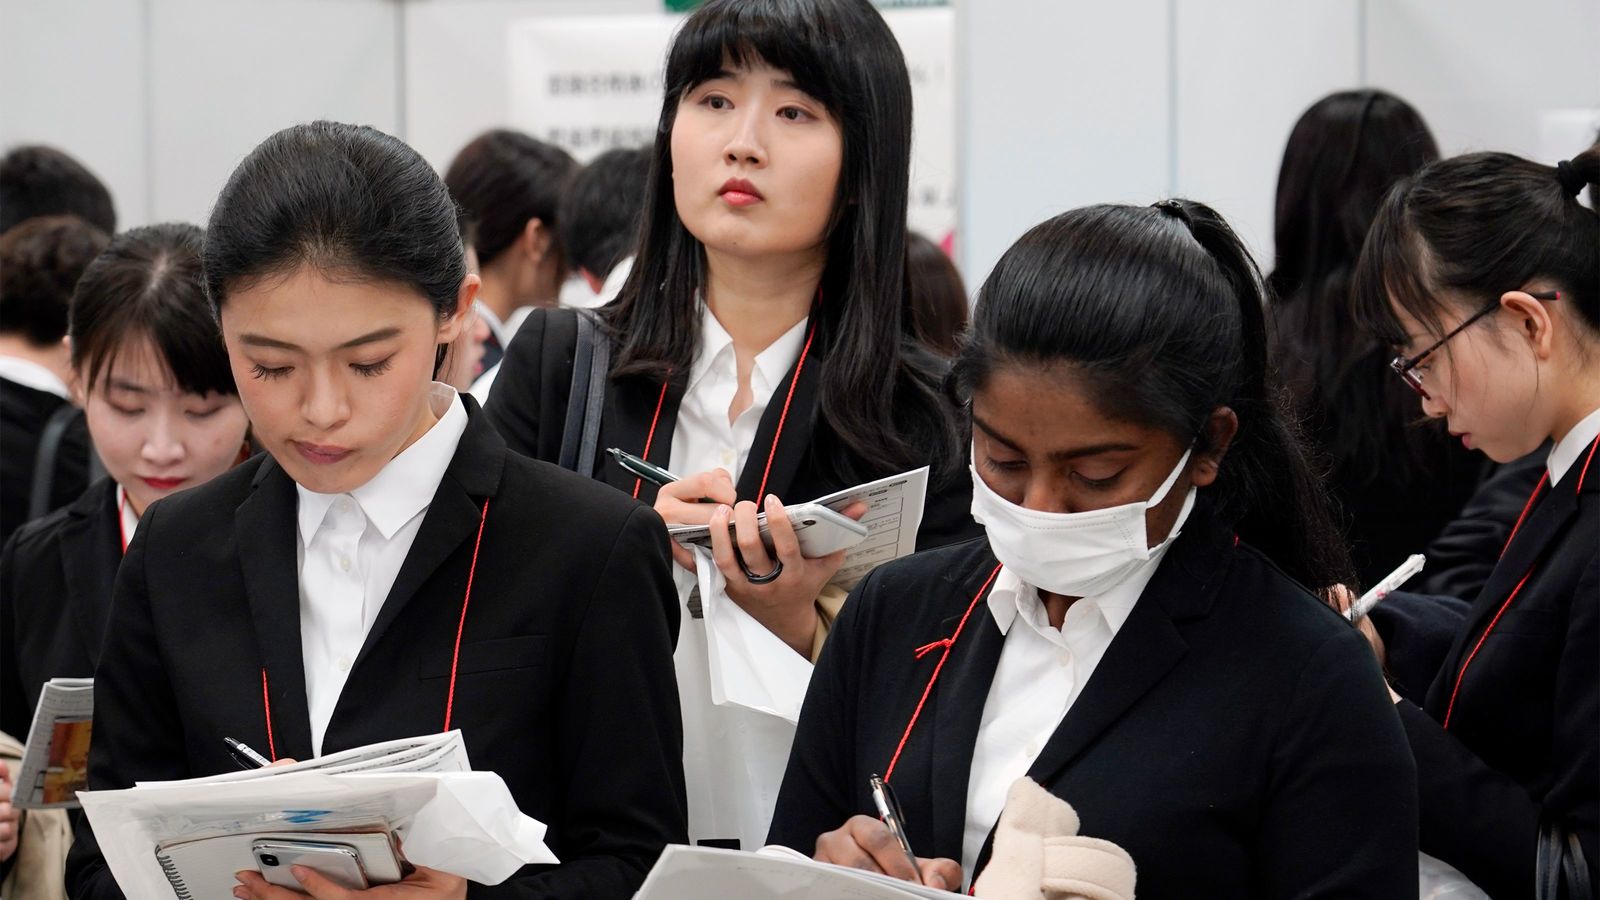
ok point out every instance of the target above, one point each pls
(819, 530)
(339, 863)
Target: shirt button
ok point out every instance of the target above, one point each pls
(344, 563)
(344, 663)
(1063, 658)
(1032, 750)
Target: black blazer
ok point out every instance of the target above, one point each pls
(23, 413)
(529, 407)
(56, 576)
(1524, 734)
(1235, 739)
(1465, 552)
(565, 683)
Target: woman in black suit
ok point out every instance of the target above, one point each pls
(1503, 346)
(760, 349)
(1133, 632)
(164, 415)
(388, 568)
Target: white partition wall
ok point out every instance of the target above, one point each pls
(1061, 104)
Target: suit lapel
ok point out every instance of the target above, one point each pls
(958, 701)
(452, 518)
(91, 551)
(1526, 552)
(266, 532)
(1146, 648)
(630, 408)
(794, 441)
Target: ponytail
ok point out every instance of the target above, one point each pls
(1160, 311)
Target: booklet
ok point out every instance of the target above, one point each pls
(55, 760)
(418, 791)
(692, 873)
(894, 513)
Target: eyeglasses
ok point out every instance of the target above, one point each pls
(1406, 368)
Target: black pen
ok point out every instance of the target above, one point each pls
(647, 470)
(893, 819)
(244, 756)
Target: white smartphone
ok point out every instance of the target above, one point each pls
(339, 863)
(819, 530)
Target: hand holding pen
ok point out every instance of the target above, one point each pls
(681, 501)
(867, 842)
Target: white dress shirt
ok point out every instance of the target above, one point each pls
(1572, 446)
(351, 548)
(703, 438)
(130, 520)
(733, 756)
(30, 374)
(1041, 673)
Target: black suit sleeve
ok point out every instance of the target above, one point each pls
(1483, 820)
(1462, 556)
(1340, 754)
(1418, 631)
(816, 795)
(138, 735)
(16, 709)
(621, 759)
(528, 404)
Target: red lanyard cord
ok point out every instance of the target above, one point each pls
(947, 643)
(455, 656)
(122, 516)
(783, 418)
(1461, 676)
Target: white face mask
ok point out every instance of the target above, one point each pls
(1082, 554)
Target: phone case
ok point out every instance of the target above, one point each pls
(204, 869)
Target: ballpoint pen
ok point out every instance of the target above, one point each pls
(893, 819)
(1384, 588)
(244, 756)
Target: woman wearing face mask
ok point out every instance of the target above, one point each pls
(759, 350)
(1133, 633)
(1504, 346)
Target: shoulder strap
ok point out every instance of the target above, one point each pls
(591, 360)
(594, 410)
(44, 459)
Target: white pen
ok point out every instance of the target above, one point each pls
(1384, 588)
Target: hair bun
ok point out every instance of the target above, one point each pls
(1572, 181)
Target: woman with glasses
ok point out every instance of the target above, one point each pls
(1485, 271)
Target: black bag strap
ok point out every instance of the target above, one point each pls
(1576, 867)
(44, 459)
(1559, 860)
(591, 363)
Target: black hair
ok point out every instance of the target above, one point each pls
(1343, 155)
(504, 178)
(938, 296)
(148, 283)
(41, 261)
(345, 199)
(879, 392)
(600, 210)
(1158, 311)
(1477, 226)
(42, 181)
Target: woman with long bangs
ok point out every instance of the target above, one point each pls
(1483, 272)
(760, 349)
(1134, 633)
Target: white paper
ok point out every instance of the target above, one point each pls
(750, 666)
(465, 823)
(694, 873)
(56, 756)
(443, 752)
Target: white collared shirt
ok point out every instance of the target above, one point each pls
(1041, 673)
(703, 439)
(1571, 447)
(609, 289)
(351, 548)
(30, 374)
(128, 518)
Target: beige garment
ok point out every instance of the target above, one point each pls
(38, 871)
(1038, 854)
(829, 602)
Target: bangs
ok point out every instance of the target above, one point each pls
(191, 354)
(745, 35)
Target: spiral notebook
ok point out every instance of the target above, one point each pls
(204, 869)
